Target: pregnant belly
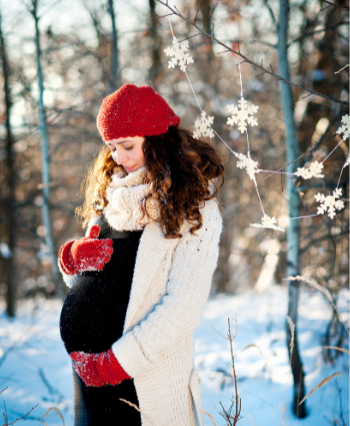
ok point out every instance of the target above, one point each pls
(93, 314)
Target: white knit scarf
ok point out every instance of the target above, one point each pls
(124, 196)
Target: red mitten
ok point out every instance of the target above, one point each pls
(98, 369)
(86, 254)
(85, 366)
(109, 368)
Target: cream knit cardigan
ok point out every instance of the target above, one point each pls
(170, 288)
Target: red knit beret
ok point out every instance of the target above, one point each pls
(134, 111)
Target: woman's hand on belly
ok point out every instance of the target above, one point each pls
(85, 366)
(98, 369)
(86, 254)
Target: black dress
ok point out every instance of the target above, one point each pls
(92, 319)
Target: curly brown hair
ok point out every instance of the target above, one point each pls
(180, 170)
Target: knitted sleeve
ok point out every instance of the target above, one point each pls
(80, 414)
(180, 310)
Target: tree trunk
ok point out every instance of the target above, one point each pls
(114, 77)
(45, 207)
(101, 40)
(224, 276)
(293, 253)
(156, 69)
(9, 207)
(209, 69)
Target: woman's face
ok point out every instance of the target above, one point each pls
(127, 152)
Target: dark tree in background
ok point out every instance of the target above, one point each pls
(7, 225)
(156, 70)
(293, 233)
(33, 8)
(114, 73)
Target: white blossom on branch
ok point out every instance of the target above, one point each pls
(241, 115)
(347, 162)
(315, 170)
(345, 127)
(179, 53)
(202, 126)
(330, 203)
(267, 222)
(246, 162)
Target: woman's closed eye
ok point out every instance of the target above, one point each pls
(111, 147)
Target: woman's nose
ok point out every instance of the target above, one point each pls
(120, 157)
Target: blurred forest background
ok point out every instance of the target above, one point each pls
(59, 59)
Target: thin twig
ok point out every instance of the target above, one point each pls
(5, 414)
(136, 408)
(195, 18)
(337, 5)
(325, 8)
(322, 383)
(271, 14)
(187, 38)
(219, 333)
(325, 29)
(177, 10)
(337, 72)
(238, 400)
(9, 424)
(338, 349)
(210, 416)
(50, 7)
(265, 43)
(169, 14)
(53, 409)
(259, 75)
(315, 284)
(225, 51)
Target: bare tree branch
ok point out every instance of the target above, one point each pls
(336, 5)
(271, 14)
(316, 32)
(50, 7)
(312, 243)
(8, 424)
(246, 59)
(266, 43)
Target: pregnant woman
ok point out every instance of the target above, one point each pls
(141, 277)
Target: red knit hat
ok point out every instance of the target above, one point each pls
(134, 111)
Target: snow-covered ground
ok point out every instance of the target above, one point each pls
(35, 369)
